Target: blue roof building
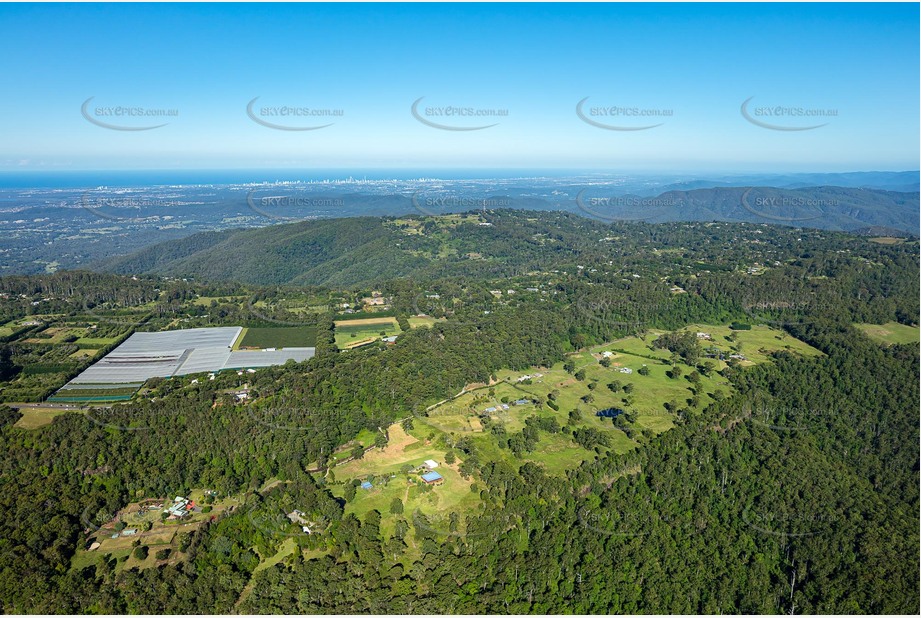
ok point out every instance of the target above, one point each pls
(432, 477)
(366, 485)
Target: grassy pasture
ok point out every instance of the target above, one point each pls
(890, 332)
(650, 393)
(33, 418)
(390, 482)
(418, 321)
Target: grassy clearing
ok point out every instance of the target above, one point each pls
(56, 334)
(14, 325)
(559, 452)
(33, 418)
(890, 332)
(205, 301)
(400, 450)
(390, 480)
(418, 321)
(288, 547)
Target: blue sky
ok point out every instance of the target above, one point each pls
(856, 63)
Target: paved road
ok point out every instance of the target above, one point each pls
(54, 406)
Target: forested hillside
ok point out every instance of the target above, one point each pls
(795, 490)
(491, 244)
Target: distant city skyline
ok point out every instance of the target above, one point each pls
(619, 88)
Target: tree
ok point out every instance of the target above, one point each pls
(7, 368)
(450, 457)
(140, 552)
(396, 507)
(580, 375)
(643, 371)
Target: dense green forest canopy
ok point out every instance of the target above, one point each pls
(796, 494)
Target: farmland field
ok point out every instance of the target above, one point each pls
(355, 331)
(95, 341)
(890, 333)
(95, 393)
(283, 337)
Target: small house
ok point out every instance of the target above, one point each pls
(432, 478)
(366, 485)
(297, 517)
(431, 464)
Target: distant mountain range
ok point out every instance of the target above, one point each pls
(830, 208)
(887, 181)
(353, 250)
